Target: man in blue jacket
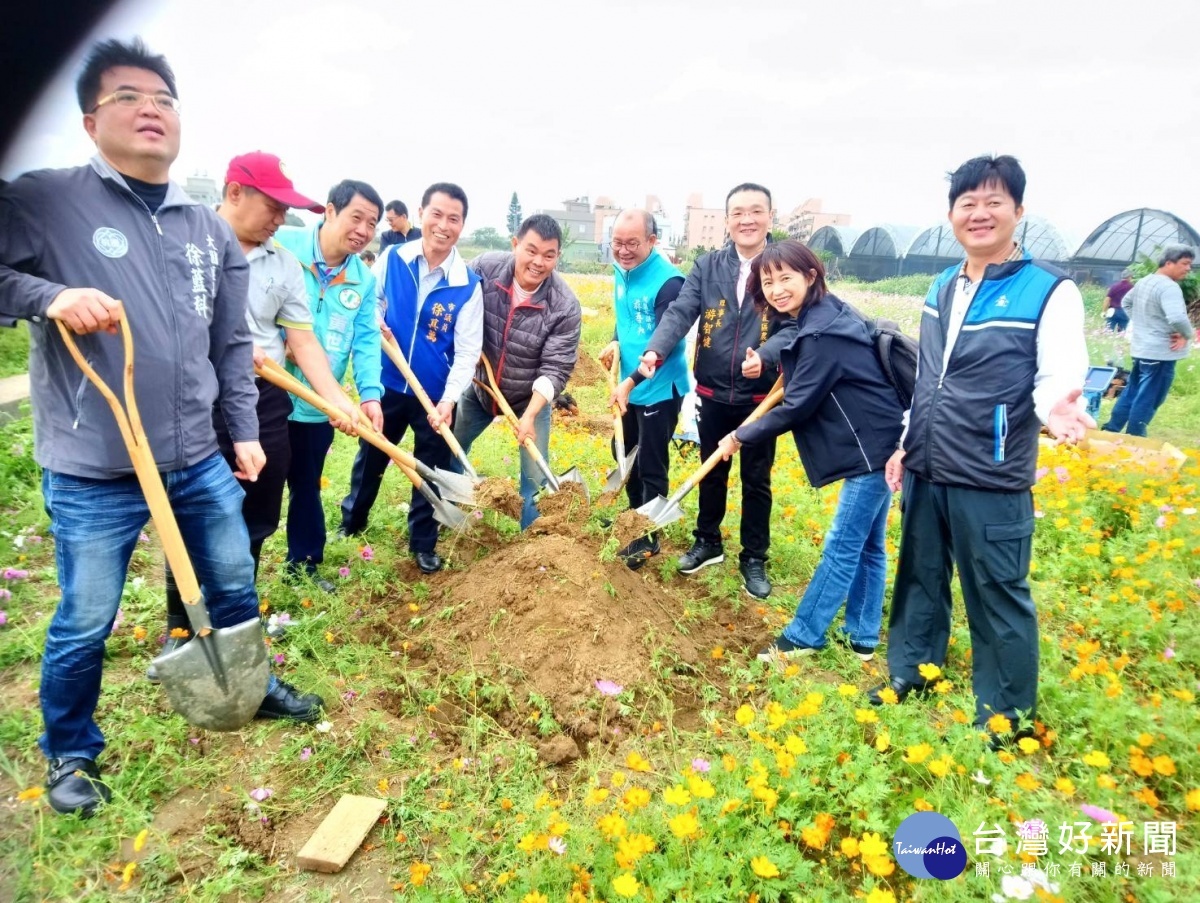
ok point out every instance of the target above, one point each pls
(72, 242)
(644, 285)
(341, 293)
(1002, 352)
(432, 305)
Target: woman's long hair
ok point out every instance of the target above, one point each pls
(795, 255)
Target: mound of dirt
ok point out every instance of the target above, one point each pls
(499, 494)
(630, 525)
(549, 607)
(562, 512)
(587, 372)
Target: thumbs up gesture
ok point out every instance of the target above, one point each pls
(752, 365)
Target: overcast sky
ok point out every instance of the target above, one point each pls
(865, 104)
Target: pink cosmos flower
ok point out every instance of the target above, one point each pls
(608, 688)
(701, 765)
(557, 845)
(5, 594)
(306, 754)
(367, 553)
(3, 618)
(1095, 813)
(258, 794)
(343, 572)
(15, 574)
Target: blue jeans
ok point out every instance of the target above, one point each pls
(472, 418)
(96, 524)
(853, 568)
(1149, 383)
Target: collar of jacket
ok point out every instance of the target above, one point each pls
(507, 279)
(176, 196)
(457, 275)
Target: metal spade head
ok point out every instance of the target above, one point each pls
(456, 487)
(661, 511)
(218, 680)
(619, 475)
(443, 511)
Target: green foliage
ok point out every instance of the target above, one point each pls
(14, 350)
(488, 239)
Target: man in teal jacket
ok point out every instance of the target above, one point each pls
(644, 285)
(341, 293)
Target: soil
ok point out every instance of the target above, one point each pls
(587, 372)
(499, 494)
(562, 512)
(630, 525)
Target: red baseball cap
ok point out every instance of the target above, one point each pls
(266, 173)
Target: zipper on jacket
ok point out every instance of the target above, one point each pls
(1000, 429)
(862, 451)
(83, 384)
(154, 219)
(733, 359)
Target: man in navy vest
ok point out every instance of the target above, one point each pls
(1002, 352)
(431, 302)
(644, 285)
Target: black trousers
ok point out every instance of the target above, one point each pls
(400, 412)
(715, 421)
(306, 515)
(988, 536)
(650, 427)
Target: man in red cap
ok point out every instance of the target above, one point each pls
(257, 195)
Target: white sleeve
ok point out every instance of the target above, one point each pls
(544, 387)
(1062, 357)
(468, 344)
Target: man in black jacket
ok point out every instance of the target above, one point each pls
(715, 294)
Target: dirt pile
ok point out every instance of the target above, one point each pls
(547, 606)
(499, 494)
(587, 372)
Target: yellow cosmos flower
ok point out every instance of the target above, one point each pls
(764, 867)
(744, 715)
(676, 796)
(635, 798)
(881, 895)
(850, 847)
(872, 846)
(732, 804)
(534, 897)
(929, 671)
(1065, 785)
(684, 825)
(847, 690)
(635, 762)
(865, 716)
(596, 796)
(625, 885)
(612, 826)
(1096, 759)
(1028, 745)
(701, 788)
(915, 755)
(1193, 800)
(418, 872)
(888, 696)
(881, 866)
(999, 724)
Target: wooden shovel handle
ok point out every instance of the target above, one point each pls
(509, 414)
(279, 376)
(773, 398)
(392, 350)
(614, 377)
(129, 422)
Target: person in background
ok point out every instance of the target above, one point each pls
(368, 257)
(1162, 333)
(1115, 317)
(400, 229)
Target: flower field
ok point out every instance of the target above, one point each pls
(704, 776)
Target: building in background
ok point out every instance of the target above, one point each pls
(803, 222)
(203, 190)
(703, 227)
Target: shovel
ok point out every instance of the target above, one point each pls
(218, 680)
(619, 475)
(420, 475)
(392, 350)
(554, 483)
(664, 511)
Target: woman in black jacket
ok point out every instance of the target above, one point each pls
(846, 419)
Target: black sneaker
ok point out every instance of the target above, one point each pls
(641, 550)
(700, 555)
(287, 703)
(865, 653)
(75, 785)
(783, 648)
(754, 577)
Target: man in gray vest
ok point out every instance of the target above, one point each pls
(1161, 335)
(1002, 352)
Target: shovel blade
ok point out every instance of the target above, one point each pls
(217, 681)
(661, 511)
(446, 514)
(619, 475)
(456, 487)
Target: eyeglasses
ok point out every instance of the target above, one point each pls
(631, 246)
(134, 99)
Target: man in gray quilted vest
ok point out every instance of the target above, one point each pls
(531, 327)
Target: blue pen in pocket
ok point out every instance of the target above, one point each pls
(1000, 427)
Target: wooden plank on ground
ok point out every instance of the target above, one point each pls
(341, 833)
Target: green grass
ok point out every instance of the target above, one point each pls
(807, 761)
(14, 350)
